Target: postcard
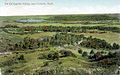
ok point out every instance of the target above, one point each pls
(59, 37)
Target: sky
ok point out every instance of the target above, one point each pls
(58, 7)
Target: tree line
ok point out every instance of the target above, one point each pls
(62, 39)
(81, 29)
(82, 17)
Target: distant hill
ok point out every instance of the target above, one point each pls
(85, 17)
(115, 15)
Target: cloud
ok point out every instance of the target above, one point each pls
(50, 10)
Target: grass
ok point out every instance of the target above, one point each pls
(9, 36)
(108, 36)
(75, 62)
(33, 63)
(55, 24)
(37, 35)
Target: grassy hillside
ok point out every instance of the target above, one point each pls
(61, 45)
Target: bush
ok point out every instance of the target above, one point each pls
(106, 62)
(84, 54)
(53, 56)
(8, 71)
(91, 52)
(50, 56)
(9, 62)
(116, 46)
(65, 53)
(80, 51)
(45, 64)
(21, 57)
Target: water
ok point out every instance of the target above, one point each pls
(30, 21)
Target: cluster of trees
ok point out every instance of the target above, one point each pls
(98, 43)
(30, 43)
(27, 43)
(83, 29)
(29, 28)
(105, 59)
(84, 53)
(72, 39)
(61, 39)
(10, 62)
(14, 60)
(65, 53)
(75, 29)
(102, 58)
(11, 26)
(113, 29)
(53, 55)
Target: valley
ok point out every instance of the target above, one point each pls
(60, 45)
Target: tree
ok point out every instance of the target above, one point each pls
(65, 53)
(45, 64)
(53, 56)
(21, 57)
(84, 54)
(110, 54)
(56, 56)
(80, 51)
(98, 56)
(115, 46)
(91, 52)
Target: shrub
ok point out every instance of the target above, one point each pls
(50, 56)
(21, 57)
(45, 64)
(80, 51)
(106, 62)
(116, 46)
(65, 53)
(84, 54)
(53, 56)
(91, 52)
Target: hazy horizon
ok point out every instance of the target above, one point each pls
(60, 7)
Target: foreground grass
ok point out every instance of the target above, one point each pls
(32, 62)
